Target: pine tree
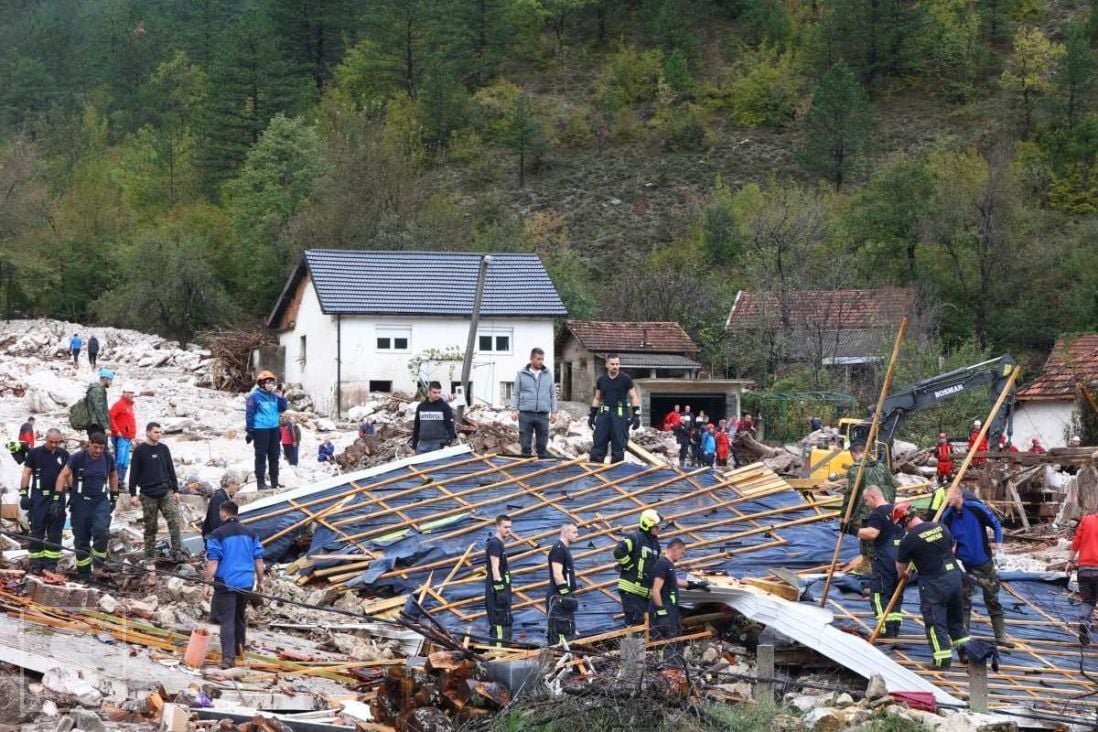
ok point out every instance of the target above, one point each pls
(311, 34)
(837, 125)
(1075, 74)
(524, 135)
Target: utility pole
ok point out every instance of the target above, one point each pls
(471, 341)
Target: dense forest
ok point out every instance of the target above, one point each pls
(164, 162)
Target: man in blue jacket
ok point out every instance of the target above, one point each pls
(234, 564)
(261, 413)
(968, 519)
(534, 404)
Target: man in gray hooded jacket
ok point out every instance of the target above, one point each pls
(534, 403)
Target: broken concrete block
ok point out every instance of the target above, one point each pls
(71, 682)
(64, 724)
(843, 700)
(49, 709)
(174, 718)
(87, 721)
(876, 688)
(108, 604)
(825, 719)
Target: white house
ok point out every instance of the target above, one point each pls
(354, 322)
(1047, 407)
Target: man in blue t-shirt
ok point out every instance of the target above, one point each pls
(234, 564)
(91, 480)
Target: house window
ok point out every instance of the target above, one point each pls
(382, 386)
(506, 389)
(301, 352)
(494, 341)
(393, 339)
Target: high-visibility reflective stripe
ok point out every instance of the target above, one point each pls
(895, 617)
(959, 641)
(634, 589)
(934, 644)
(98, 554)
(84, 562)
(51, 553)
(878, 609)
(36, 555)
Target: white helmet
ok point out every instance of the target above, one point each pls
(977, 424)
(129, 389)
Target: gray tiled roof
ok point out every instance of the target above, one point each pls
(428, 283)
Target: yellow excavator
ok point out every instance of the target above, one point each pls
(832, 457)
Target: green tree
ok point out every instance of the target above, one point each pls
(273, 187)
(400, 37)
(24, 222)
(312, 34)
(249, 84)
(1030, 69)
(874, 37)
(953, 48)
(837, 125)
(885, 219)
(1075, 73)
(559, 16)
(719, 230)
(524, 135)
(442, 106)
(191, 298)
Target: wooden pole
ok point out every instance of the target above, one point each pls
(1008, 389)
(870, 443)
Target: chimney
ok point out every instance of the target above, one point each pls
(644, 336)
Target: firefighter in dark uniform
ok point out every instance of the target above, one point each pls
(560, 603)
(929, 546)
(92, 480)
(497, 583)
(636, 555)
(884, 537)
(614, 409)
(44, 505)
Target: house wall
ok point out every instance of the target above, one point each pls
(1047, 419)
(578, 366)
(317, 372)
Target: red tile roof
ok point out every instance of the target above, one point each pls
(836, 309)
(600, 336)
(1072, 361)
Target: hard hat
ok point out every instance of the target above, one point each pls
(263, 376)
(649, 517)
(901, 511)
(106, 374)
(977, 423)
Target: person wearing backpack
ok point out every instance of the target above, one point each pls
(99, 416)
(93, 351)
(91, 482)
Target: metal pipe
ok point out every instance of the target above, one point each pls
(339, 366)
(470, 342)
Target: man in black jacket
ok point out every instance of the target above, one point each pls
(636, 555)
(433, 428)
(152, 471)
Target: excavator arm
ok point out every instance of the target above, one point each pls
(928, 393)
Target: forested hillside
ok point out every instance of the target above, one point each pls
(163, 162)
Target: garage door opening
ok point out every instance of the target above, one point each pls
(714, 405)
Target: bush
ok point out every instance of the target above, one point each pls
(572, 128)
(676, 74)
(686, 130)
(630, 76)
(767, 92)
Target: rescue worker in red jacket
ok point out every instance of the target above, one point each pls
(672, 419)
(972, 437)
(944, 452)
(1037, 447)
(724, 447)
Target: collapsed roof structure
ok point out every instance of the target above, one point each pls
(417, 526)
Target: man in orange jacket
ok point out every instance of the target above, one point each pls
(123, 430)
(972, 436)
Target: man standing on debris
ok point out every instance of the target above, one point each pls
(154, 473)
(230, 484)
(884, 537)
(875, 473)
(534, 404)
(290, 437)
(95, 399)
(123, 429)
(968, 520)
(973, 436)
(433, 428)
(929, 546)
(497, 583)
(234, 564)
(93, 351)
(1084, 559)
(75, 344)
(91, 480)
(560, 603)
(636, 555)
(610, 412)
(26, 433)
(261, 411)
(943, 451)
(666, 583)
(45, 506)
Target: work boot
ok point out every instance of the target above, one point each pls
(1084, 634)
(998, 624)
(892, 630)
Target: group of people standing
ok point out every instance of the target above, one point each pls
(701, 442)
